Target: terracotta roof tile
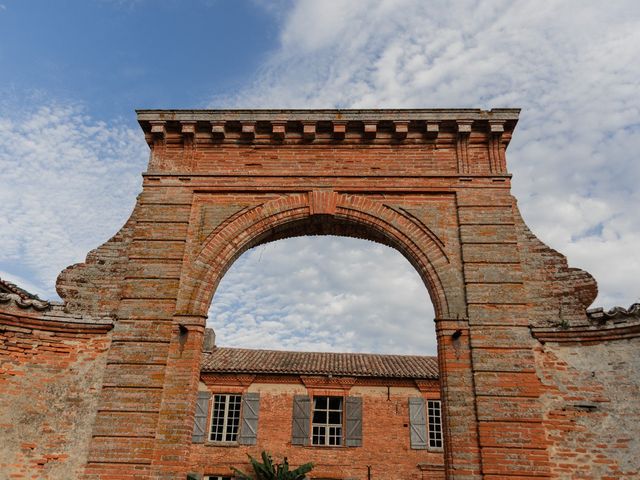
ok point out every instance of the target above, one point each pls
(242, 360)
(8, 287)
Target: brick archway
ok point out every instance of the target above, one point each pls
(324, 212)
(432, 184)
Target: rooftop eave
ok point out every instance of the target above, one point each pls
(435, 114)
(366, 126)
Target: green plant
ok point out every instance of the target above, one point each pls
(267, 470)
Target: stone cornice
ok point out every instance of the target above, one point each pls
(40, 315)
(331, 114)
(616, 324)
(8, 322)
(335, 126)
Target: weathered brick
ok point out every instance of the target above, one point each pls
(490, 252)
(439, 195)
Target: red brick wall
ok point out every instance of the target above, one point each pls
(591, 408)
(221, 182)
(385, 429)
(49, 384)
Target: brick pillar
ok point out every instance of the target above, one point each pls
(123, 434)
(507, 389)
(175, 422)
(462, 454)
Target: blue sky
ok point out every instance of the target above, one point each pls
(71, 153)
(114, 56)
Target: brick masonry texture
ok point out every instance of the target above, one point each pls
(50, 379)
(118, 363)
(591, 408)
(385, 428)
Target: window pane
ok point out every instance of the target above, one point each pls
(319, 437)
(335, 403)
(320, 402)
(319, 417)
(335, 435)
(335, 417)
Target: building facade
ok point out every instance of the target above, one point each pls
(352, 415)
(105, 384)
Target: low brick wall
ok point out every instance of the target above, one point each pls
(50, 376)
(592, 408)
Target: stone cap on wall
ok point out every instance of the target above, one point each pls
(369, 125)
(602, 325)
(331, 114)
(23, 310)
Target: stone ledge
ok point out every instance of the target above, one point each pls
(50, 317)
(615, 324)
(374, 127)
(331, 114)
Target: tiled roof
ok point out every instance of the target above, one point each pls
(242, 360)
(12, 294)
(615, 313)
(8, 287)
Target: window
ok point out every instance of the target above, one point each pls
(225, 419)
(425, 420)
(218, 477)
(434, 418)
(327, 421)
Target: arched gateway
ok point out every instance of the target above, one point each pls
(432, 184)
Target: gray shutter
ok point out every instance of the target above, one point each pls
(200, 420)
(249, 421)
(418, 423)
(301, 420)
(353, 437)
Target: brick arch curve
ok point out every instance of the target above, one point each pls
(317, 212)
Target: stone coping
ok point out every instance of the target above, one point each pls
(36, 314)
(331, 114)
(390, 126)
(616, 324)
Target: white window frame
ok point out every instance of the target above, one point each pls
(435, 439)
(218, 477)
(227, 437)
(327, 426)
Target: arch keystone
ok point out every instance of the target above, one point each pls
(323, 202)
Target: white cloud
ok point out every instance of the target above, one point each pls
(571, 66)
(324, 293)
(68, 183)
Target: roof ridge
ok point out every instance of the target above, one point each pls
(314, 352)
(288, 362)
(11, 287)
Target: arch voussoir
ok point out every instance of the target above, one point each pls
(263, 223)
